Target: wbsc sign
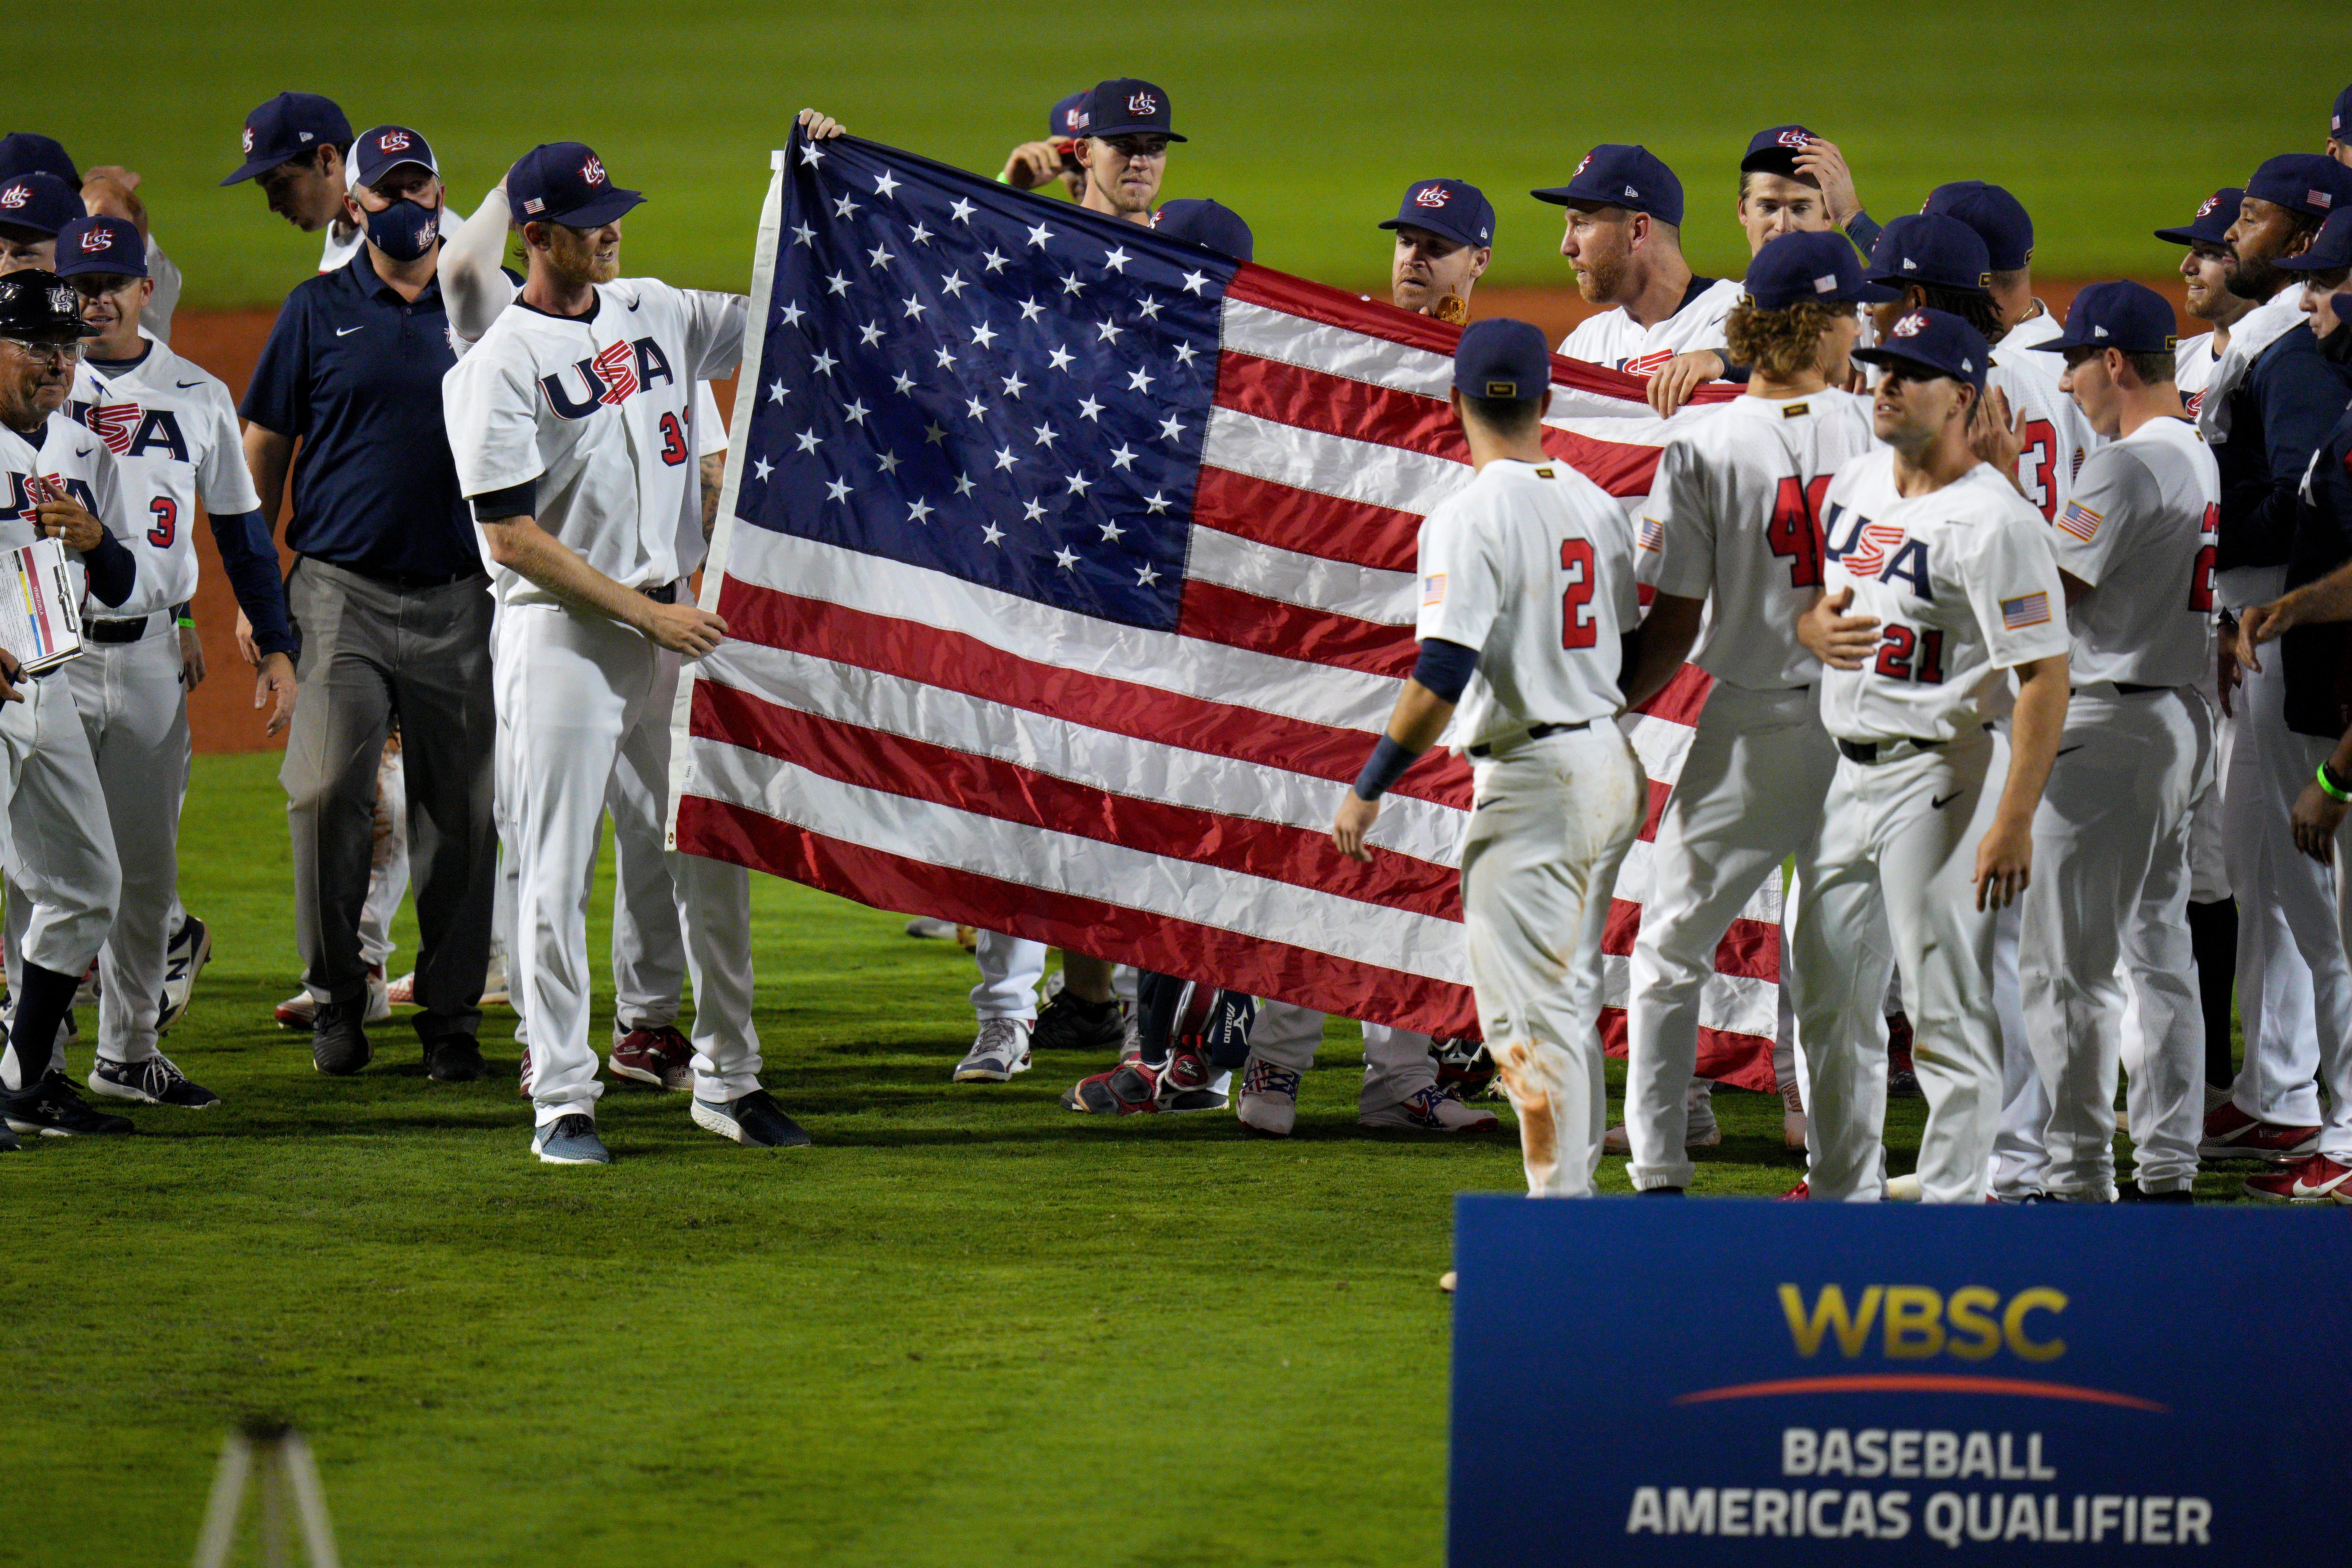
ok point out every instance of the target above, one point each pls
(1760, 1383)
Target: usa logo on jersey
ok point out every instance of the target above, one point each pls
(609, 380)
(616, 367)
(1646, 365)
(130, 430)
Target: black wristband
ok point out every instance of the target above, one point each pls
(1387, 764)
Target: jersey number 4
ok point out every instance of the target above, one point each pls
(1795, 531)
(1577, 628)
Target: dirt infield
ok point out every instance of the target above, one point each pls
(227, 343)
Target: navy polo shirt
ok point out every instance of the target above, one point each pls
(355, 371)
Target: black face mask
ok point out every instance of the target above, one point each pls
(404, 230)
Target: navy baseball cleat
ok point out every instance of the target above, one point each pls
(155, 1081)
(1069, 1023)
(754, 1119)
(53, 1109)
(570, 1140)
(453, 1058)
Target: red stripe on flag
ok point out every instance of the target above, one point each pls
(1218, 613)
(1751, 949)
(1680, 700)
(1621, 468)
(1307, 521)
(1161, 942)
(1743, 1061)
(1256, 285)
(1007, 791)
(914, 651)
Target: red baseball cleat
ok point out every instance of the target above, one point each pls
(1802, 1193)
(2312, 1181)
(2231, 1134)
(658, 1057)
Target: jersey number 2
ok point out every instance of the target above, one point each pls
(1795, 530)
(167, 522)
(1576, 625)
(2201, 576)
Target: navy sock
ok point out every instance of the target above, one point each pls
(2213, 938)
(44, 997)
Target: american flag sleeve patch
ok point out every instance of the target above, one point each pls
(2080, 521)
(1653, 534)
(2030, 611)
(1433, 588)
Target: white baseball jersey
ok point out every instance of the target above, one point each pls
(2139, 529)
(70, 457)
(2057, 437)
(1531, 564)
(1734, 518)
(594, 412)
(1616, 340)
(1963, 585)
(2192, 370)
(171, 428)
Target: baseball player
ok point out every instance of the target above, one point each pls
(1444, 238)
(1791, 182)
(107, 191)
(649, 944)
(568, 422)
(1623, 238)
(1939, 584)
(2135, 551)
(296, 146)
(1444, 231)
(172, 429)
(2212, 909)
(1033, 165)
(1530, 692)
(2268, 404)
(58, 849)
(1731, 542)
(1124, 150)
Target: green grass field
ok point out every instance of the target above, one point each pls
(1307, 118)
(965, 1327)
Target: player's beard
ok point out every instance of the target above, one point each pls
(2255, 280)
(1598, 280)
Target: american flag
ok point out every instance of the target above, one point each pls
(1069, 576)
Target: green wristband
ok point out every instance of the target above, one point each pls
(2330, 788)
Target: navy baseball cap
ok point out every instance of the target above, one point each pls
(22, 151)
(2211, 226)
(1206, 223)
(1127, 107)
(1502, 358)
(1453, 209)
(1928, 248)
(377, 153)
(1774, 151)
(2309, 182)
(1614, 175)
(2339, 121)
(2331, 248)
(1998, 218)
(1938, 340)
(1067, 121)
(565, 182)
(288, 126)
(1820, 266)
(38, 201)
(2128, 316)
(101, 245)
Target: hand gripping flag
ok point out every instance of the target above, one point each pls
(1069, 574)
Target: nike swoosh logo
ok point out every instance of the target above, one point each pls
(633, 304)
(2064, 750)
(347, 332)
(1934, 804)
(83, 451)
(183, 385)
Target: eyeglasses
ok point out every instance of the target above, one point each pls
(66, 353)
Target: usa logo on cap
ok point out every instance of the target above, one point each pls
(1430, 197)
(1584, 164)
(94, 241)
(1142, 103)
(1795, 136)
(14, 195)
(248, 139)
(2211, 203)
(592, 171)
(1908, 327)
(392, 141)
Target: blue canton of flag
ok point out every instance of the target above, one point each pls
(980, 381)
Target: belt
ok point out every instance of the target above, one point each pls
(1535, 732)
(117, 631)
(2123, 689)
(1870, 752)
(665, 595)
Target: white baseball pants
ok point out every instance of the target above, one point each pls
(1011, 968)
(1748, 797)
(581, 695)
(2110, 887)
(1397, 1063)
(1898, 847)
(649, 961)
(56, 845)
(1552, 823)
(388, 867)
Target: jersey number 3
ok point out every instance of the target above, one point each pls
(673, 451)
(1576, 624)
(1795, 531)
(2037, 467)
(167, 522)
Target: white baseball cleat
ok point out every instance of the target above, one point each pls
(297, 1011)
(1445, 1281)
(998, 1051)
(1792, 1116)
(1699, 1127)
(1269, 1099)
(925, 928)
(1430, 1110)
(1903, 1189)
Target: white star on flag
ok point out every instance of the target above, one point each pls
(762, 468)
(1031, 309)
(964, 486)
(1036, 512)
(812, 155)
(946, 360)
(995, 262)
(918, 510)
(962, 211)
(1067, 559)
(1111, 532)
(844, 207)
(1138, 381)
(878, 257)
(1107, 333)
(902, 383)
(870, 333)
(837, 283)
(1005, 458)
(1014, 384)
(776, 391)
(1089, 409)
(953, 285)
(1172, 428)
(992, 534)
(1122, 457)
(1117, 261)
(889, 461)
(810, 440)
(791, 315)
(1148, 308)
(803, 235)
(825, 364)
(1045, 435)
(975, 408)
(1080, 483)
(837, 491)
(1039, 235)
(983, 335)
(1195, 281)
(915, 307)
(855, 412)
(1145, 576)
(921, 234)
(885, 185)
(1157, 503)
(1060, 359)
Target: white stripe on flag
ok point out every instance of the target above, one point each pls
(1353, 471)
(1271, 571)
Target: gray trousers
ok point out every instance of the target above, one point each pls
(373, 655)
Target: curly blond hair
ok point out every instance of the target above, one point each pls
(1784, 344)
